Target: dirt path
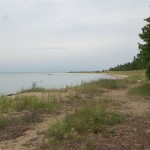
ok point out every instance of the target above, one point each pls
(136, 106)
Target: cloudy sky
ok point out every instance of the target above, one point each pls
(65, 35)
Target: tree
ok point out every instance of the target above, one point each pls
(145, 47)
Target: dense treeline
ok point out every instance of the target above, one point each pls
(142, 60)
(137, 64)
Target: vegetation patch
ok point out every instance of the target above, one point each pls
(112, 84)
(99, 85)
(30, 103)
(143, 90)
(90, 145)
(94, 118)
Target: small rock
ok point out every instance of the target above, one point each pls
(147, 131)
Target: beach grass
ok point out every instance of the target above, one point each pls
(99, 85)
(95, 117)
(30, 103)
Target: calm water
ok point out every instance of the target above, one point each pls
(14, 82)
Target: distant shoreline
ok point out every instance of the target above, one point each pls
(85, 72)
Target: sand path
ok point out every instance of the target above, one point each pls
(134, 105)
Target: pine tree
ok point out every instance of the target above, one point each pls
(145, 47)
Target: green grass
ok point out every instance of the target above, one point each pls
(91, 119)
(3, 121)
(112, 84)
(143, 90)
(133, 76)
(99, 85)
(30, 103)
(90, 145)
(95, 118)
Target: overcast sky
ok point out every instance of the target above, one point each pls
(65, 35)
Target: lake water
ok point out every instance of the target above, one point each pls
(14, 82)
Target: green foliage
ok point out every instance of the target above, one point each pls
(145, 48)
(137, 64)
(148, 71)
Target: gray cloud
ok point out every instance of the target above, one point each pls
(63, 35)
(5, 18)
(47, 48)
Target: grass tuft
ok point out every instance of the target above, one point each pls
(90, 145)
(93, 118)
